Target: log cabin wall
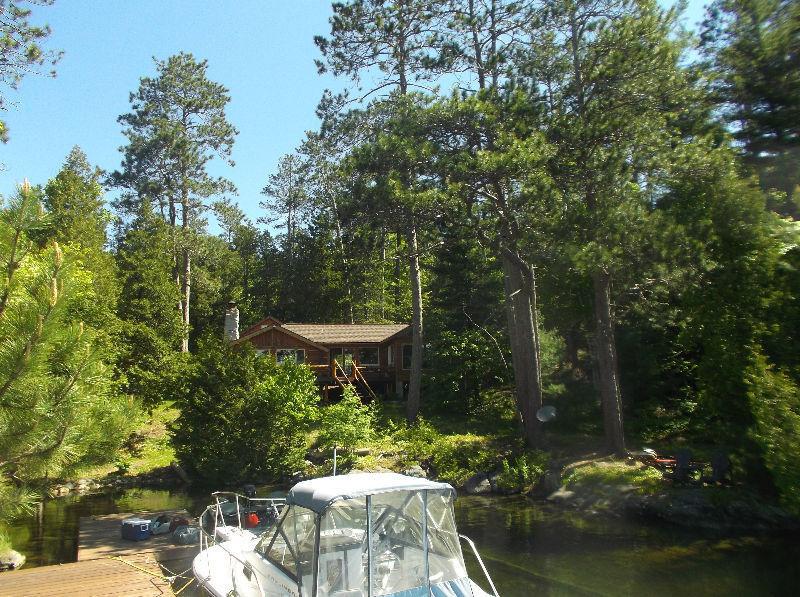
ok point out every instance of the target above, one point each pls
(272, 340)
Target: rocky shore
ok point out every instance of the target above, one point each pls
(723, 508)
(715, 507)
(726, 508)
(162, 477)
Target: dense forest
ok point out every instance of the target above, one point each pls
(574, 203)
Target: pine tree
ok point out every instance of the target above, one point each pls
(59, 405)
(754, 49)
(400, 43)
(21, 50)
(287, 198)
(613, 117)
(176, 127)
(152, 328)
(493, 160)
(78, 219)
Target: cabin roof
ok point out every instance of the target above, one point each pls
(331, 333)
(318, 494)
(326, 333)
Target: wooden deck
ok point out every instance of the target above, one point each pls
(108, 566)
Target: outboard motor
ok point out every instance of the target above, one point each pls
(249, 490)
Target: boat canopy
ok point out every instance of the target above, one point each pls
(369, 535)
(319, 494)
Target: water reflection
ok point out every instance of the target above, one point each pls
(529, 547)
(534, 548)
(50, 536)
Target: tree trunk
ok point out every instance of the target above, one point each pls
(397, 273)
(523, 335)
(415, 382)
(520, 372)
(187, 270)
(607, 364)
(176, 269)
(572, 340)
(345, 265)
(383, 273)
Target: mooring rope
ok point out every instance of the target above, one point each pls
(169, 579)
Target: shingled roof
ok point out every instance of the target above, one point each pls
(327, 333)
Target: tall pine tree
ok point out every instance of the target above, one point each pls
(177, 125)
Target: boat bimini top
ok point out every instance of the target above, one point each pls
(368, 535)
(318, 494)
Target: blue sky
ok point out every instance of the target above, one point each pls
(263, 51)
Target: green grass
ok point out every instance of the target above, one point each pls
(645, 479)
(150, 450)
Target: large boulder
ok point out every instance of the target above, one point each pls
(478, 484)
(415, 471)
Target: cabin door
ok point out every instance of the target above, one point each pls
(345, 358)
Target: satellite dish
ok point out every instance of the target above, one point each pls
(546, 414)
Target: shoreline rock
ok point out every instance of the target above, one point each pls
(685, 507)
(164, 477)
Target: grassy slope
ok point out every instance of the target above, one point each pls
(148, 448)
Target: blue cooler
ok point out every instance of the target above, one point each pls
(135, 529)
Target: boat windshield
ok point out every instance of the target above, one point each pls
(397, 556)
(291, 546)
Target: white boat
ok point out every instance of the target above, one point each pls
(233, 515)
(358, 535)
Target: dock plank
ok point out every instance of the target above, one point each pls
(98, 578)
(100, 536)
(138, 572)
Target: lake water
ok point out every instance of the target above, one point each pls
(529, 547)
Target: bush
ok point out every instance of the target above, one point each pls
(346, 423)
(523, 472)
(418, 441)
(458, 457)
(243, 417)
(775, 403)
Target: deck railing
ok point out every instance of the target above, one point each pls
(360, 377)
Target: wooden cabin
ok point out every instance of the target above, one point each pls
(373, 358)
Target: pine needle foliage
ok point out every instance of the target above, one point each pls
(58, 402)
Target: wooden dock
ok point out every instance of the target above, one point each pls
(108, 566)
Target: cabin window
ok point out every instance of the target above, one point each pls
(343, 356)
(406, 356)
(390, 355)
(368, 355)
(298, 355)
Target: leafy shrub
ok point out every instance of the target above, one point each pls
(458, 457)
(243, 416)
(418, 441)
(452, 458)
(775, 402)
(523, 472)
(346, 423)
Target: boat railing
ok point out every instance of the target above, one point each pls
(210, 539)
(242, 502)
(480, 562)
